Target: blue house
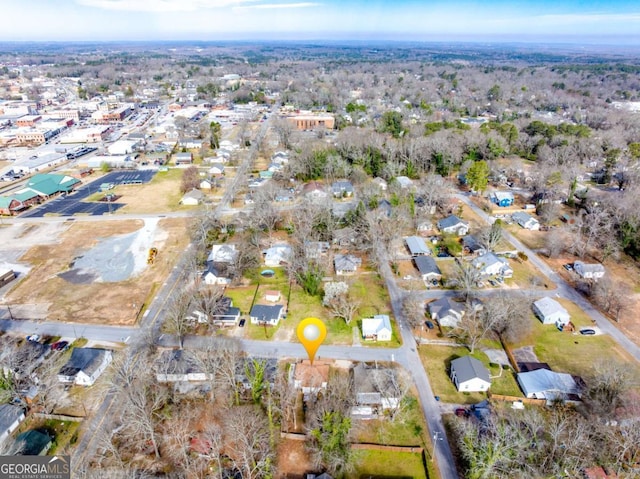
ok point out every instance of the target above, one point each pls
(502, 198)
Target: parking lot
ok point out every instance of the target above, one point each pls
(72, 204)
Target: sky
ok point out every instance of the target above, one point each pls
(591, 21)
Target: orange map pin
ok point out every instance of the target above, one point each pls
(311, 333)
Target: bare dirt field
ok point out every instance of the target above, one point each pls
(293, 460)
(98, 272)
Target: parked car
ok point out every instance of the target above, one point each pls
(60, 346)
(568, 266)
(242, 323)
(461, 412)
(33, 337)
(588, 332)
(429, 324)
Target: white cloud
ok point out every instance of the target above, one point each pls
(161, 5)
(271, 6)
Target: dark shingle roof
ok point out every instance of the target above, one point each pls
(468, 367)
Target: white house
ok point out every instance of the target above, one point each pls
(380, 183)
(526, 220)
(192, 198)
(223, 253)
(490, 265)
(549, 311)
(447, 312)
(427, 268)
(589, 270)
(346, 264)
(453, 225)
(469, 375)
(377, 328)
(10, 418)
(266, 314)
(404, 181)
(212, 276)
(122, 147)
(85, 366)
(277, 255)
(273, 296)
(216, 169)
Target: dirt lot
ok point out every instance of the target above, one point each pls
(159, 195)
(293, 460)
(97, 300)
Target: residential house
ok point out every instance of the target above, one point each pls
(377, 389)
(266, 314)
(190, 143)
(377, 328)
(447, 312)
(206, 184)
(589, 270)
(192, 198)
(384, 207)
(423, 226)
(284, 195)
(24, 361)
(316, 249)
(491, 265)
(10, 418)
(549, 385)
(216, 169)
(85, 366)
(227, 314)
(405, 182)
(309, 378)
(427, 268)
(178, 365)
(277, 255)
(469, 375)
(417, 246)
(183, 159)
(453, 225)
(502, 198)
(344, 237)
(345, 264)
(342, 189)
(549, 311)
(223, 253)
(213, 275)
(314, 191)
(526, 220)
(472, 246)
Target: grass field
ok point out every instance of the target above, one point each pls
(160, 195)
(573, 353)
(436, 360)
(388, 464)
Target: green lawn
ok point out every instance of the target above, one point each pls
(407, 429)
(526, 276)
(573, 353)
(388, 464)
(436, 360)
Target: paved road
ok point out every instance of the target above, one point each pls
(564, 289)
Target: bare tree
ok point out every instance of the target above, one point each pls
(491, 236)
(339, 302)
(178, 320)
(248, 442)
(413, 308)
(467, 276)
(612, 296)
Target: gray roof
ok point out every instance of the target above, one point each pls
(503, 195)
(342, 186)
(8, 415)
(589, 267)
(417, 245)
(449, 222)
(371, 384)
(467, 368)
(248, 364)
(546, 384)
(195, 194)
(471, 243)
(265, 312)
(83, 359)
(442, 306)
(177, 361)
(522, 217)
(426, 265)
(548, 306)
(346, 262)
